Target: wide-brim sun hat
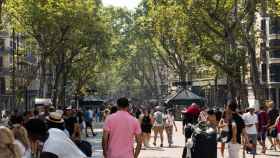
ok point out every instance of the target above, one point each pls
(55, 117)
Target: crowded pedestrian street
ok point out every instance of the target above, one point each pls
(166, 152)
(139, 78)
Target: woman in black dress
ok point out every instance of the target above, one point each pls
(146, 126)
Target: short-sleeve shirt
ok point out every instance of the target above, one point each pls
(122, 128)
(60, 144)
(250, 119)
(263, 121)
(159, 119)
(169, 119)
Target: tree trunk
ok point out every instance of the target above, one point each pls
(183, 77)
(42, 76)
(62, 100)
(55, 88)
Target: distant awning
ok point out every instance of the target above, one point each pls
(184, 97)
(92, 98)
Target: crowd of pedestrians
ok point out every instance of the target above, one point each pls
(124, 126)
(47, 132)
(237, 129)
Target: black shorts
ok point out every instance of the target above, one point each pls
(262, 135)
(88, 124)
(272, 133)
(146, 128)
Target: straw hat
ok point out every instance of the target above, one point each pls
(55, 117)
(52, 108)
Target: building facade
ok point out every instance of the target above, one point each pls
(268, 51)
(17, 67)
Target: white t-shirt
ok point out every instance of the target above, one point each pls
(250, 119)
(159, 119)
(61, 145)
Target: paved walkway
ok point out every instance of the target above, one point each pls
(165, 152)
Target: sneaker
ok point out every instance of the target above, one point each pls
(161, 145)
(154, 144)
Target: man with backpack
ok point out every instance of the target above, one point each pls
(158, 126)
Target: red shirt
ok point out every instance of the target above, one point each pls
(263, 121)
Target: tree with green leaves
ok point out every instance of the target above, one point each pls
(229, 28)
(62, 31)
(171, 36)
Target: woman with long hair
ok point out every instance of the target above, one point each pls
(8, 148)
(21, 139)
(168, 125)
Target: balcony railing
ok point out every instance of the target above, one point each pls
(4, 34)
(5, 71)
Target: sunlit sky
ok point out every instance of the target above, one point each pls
(130, 4)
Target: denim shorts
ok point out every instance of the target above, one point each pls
(262, 135)
(253, 138)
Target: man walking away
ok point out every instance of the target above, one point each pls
(236, 126)
(88, 120)
(56, 143)
(262, 128)
(251, 123)
(119, 131)
(158, 126)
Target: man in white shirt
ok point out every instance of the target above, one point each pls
(56, 143)
(158, 126)
(251, 124)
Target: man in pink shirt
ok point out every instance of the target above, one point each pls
(119, 132)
